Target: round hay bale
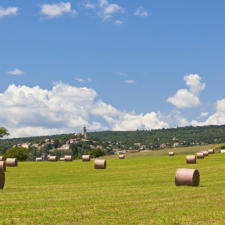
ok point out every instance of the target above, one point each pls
(190, 159)
(39, 159)
(2, 165)
(188, 177)
(11, 162)
(205, 153)
(53, 158)
(211, 151)
(200, 155)
(2, 178)
(1, 158)
(100, 164)
(86, 158)
(62, 159)
(121, 156)
(68, 158)
(171, 153)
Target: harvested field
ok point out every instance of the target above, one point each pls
(132, 191)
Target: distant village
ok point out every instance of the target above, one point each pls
(109, 148)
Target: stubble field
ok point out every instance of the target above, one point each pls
(130, 191)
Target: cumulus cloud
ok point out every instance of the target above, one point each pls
(55, 10)
(15, 72)
(188, 98)
(8, 11)
(129, 81)
(88, 5)
(218, 118)
(29, 111)
(140, 11)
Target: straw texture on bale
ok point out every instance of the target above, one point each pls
(188, 177)
(11, 162)
(211, 151)
(62, 159)
(200, 155)
(1, 158)
(53, 158)
(38, 159)
(86, 158)
(121, 156)
(191, 159)
(2, 178)
(171, 153)
(68, 158)
(205, 153)
(100, 164)
(2, 165)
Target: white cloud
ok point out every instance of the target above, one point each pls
(129, 81)
(203, 114)
(188, 98)
(80, 80)
(118, 22)
(88, 5)
(8, 11)
(140, 11)
(89, 79)
(29, 111)
(218, 118)
(119, 73)
(55, 10)
(15, 72)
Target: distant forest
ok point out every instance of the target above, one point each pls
(205, 134)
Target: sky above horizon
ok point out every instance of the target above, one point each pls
(110, 65)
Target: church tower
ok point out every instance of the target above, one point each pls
(84, 130)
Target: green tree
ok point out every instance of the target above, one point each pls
(96, 153)
(3, 132)
(17, 152)
(56, 143)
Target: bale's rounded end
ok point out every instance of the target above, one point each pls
(2, 178)
(100, 164)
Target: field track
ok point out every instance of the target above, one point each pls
(130, 191)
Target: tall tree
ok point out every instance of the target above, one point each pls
(3, 132)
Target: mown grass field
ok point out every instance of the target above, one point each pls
(131, 191)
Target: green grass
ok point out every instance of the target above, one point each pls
(131, 191)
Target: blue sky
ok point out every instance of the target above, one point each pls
(111, 65)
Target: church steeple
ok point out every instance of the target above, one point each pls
(84, 130)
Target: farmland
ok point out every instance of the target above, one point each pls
(137, 190)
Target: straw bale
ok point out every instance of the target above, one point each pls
(11, 162)
(86, 158)
(100, 164)
(38, 159)
(62, 159)
(205, 153)
(53, 158)
(171, 153)
(1, 158)
(121, 156)
(2, 165)
(211, 151)
(2, 178)
(191, 159)
(200, 155)
(68, 158)
(188, 177)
